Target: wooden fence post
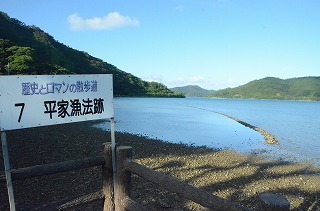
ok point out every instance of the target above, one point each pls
(123, 177)
(107, 175)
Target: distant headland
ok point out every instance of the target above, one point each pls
(271, 88)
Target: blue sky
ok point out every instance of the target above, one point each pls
(211, 43)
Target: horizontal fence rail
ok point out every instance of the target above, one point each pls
(68, 202)
(125, 165)
(53, 168)
(132, 205)
(197, 195)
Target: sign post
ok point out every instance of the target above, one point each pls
(41, 100)
(7, 170)
(113, 154)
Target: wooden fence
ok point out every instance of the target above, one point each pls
(121, 201)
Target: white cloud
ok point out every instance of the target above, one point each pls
(230, 83)
(204, 82)
(155, 78)
(196, 79)
(179, 81)
(180, 8)
(110, 21)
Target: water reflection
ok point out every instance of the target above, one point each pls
(177, 120)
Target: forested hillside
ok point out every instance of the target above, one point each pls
(29, 50)
(304, 88)
(192, 91)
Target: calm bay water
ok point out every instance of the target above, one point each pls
(295, 124)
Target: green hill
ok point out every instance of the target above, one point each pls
(29, 50)
(304, 88)
(192, 91)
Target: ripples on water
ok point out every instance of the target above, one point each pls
(194, 121)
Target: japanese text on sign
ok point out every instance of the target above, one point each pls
(33, 88)
(74, 107)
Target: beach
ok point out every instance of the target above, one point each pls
(237, 177)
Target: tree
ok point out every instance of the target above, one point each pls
(20, 59)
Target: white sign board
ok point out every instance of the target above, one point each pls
(39, 100)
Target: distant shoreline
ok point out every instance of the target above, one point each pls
(269, 88)
(222, 98)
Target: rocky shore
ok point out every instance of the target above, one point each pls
(237, 177)
(269, 138)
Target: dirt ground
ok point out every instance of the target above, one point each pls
(237, 177)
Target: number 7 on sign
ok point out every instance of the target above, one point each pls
(21, 111)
